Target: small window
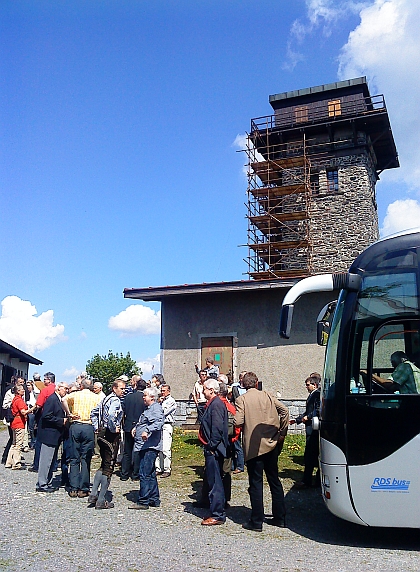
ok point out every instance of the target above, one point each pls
(334, 108)
(301, 114)
(314, 183)
(332, 180)
(294, 148)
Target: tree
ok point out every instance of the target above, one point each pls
(106, 369)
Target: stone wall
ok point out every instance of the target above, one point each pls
(186, 414)
(345, 222)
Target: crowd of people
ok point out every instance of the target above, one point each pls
(133, 425)
(239, 425)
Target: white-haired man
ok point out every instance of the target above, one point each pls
(98, 389)
(163, 465)
(148, 442)
(214, 436)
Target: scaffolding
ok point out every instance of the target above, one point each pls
(278, 208)
(286, 153)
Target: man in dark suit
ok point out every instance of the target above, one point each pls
(310, 458)
(214, 436)
(52, 426)
(133, 406)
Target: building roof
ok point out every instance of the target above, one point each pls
(321, 89)
(6, 348)
(160, 292)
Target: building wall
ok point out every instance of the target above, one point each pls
(21, 367)
(252, 317)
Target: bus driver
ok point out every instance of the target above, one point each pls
(406, 376)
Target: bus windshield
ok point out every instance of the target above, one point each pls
(387, 295)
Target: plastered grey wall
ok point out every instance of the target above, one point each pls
(253, 316)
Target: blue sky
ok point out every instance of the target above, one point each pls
(118, 163)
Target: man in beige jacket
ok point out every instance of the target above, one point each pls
(264, 421)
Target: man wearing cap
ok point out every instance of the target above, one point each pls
(106, 420)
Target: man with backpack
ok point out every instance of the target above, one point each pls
(234, 433)
(238, 462)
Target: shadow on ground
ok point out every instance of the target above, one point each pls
(308, 516)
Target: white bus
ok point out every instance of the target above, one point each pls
(370, 409)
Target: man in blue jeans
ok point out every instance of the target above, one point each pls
(148, 442)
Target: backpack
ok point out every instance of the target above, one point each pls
(235, 393)
(8, 415)
(231, 425)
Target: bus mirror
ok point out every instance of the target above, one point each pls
(286, 320)
(322, 333)
(316, 423)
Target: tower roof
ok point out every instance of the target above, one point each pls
(355, 85)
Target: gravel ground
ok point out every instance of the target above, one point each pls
(44, 532)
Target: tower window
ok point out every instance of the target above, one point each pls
(334, 108)
(301, 114)
(314, 182)
(332, 180)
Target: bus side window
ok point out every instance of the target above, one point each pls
(393, 345)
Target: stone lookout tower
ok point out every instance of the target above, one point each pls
(312, 171)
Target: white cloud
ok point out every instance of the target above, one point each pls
(401, 215)
(293, 57)
(385, 47)
(327, 12)
(242, 142)
(136, 320)
(321, 15)
(71, 372)
(21, 327)
(150, 366)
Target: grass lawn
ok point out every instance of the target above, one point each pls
(188, 460)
